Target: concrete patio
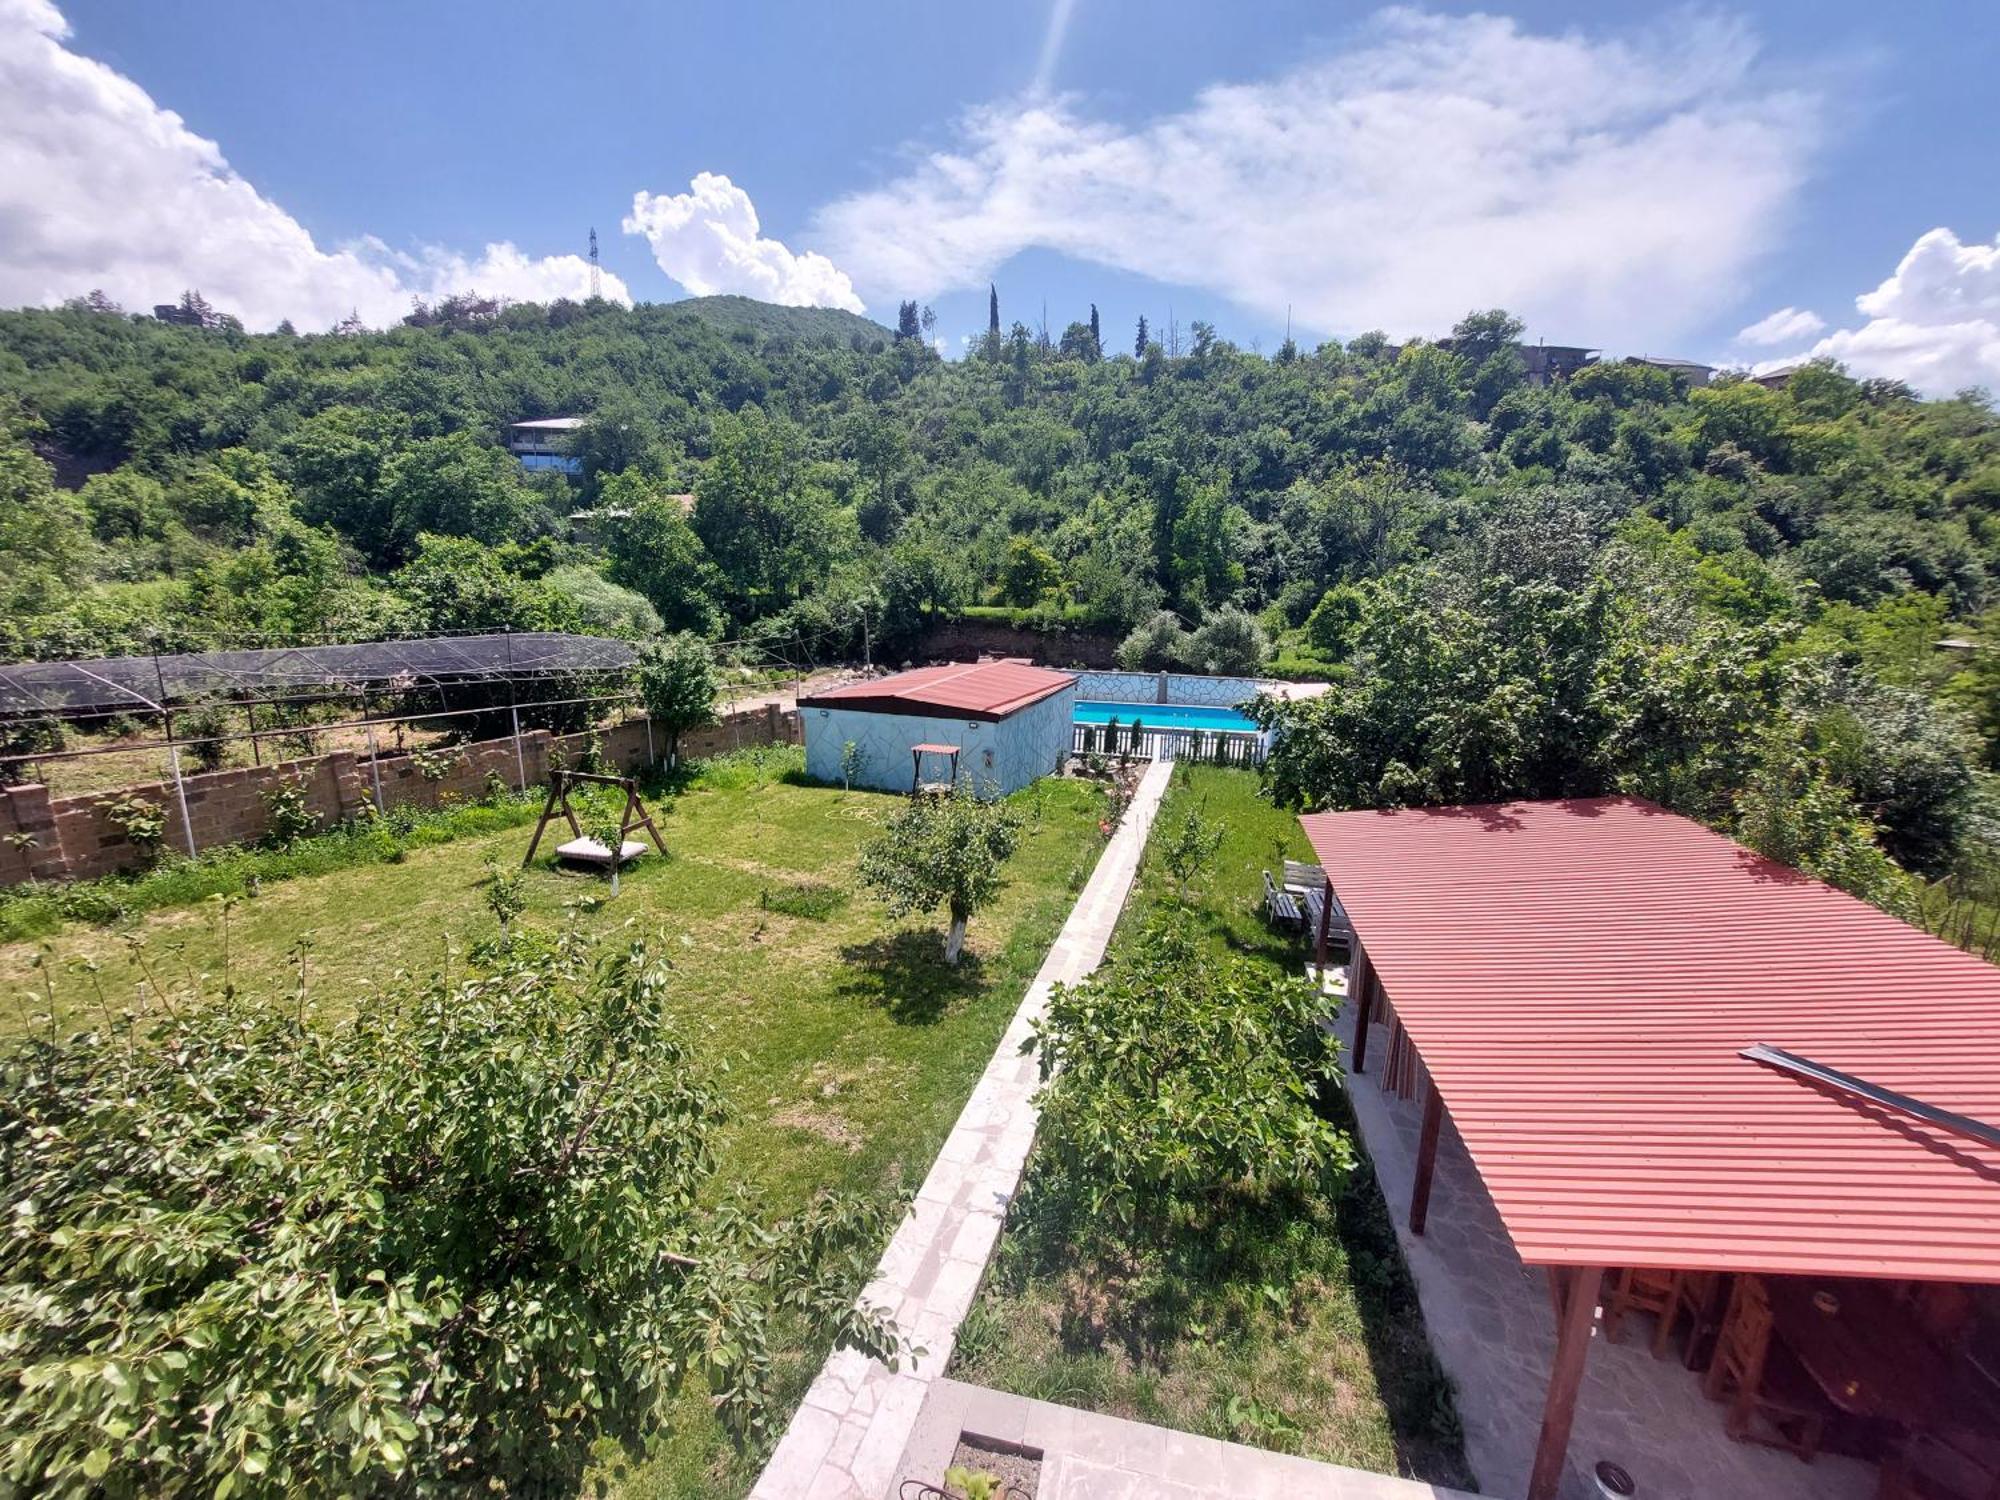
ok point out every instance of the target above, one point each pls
(1492, 1326)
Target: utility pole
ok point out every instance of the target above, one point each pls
(596, 277)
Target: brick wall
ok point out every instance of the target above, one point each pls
(74, 839)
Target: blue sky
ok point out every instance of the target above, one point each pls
(1657, 184)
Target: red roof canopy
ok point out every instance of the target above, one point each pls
(960, 690)
(1579, 978)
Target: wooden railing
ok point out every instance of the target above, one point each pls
(1140, 741)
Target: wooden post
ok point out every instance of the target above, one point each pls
(1361, 984)
(1565, 1379)
(1427, 1153)
(1320, 944)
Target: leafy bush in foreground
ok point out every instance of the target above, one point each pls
(1180, 1085)
(445, 1245)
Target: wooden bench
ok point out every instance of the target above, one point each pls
(1281, 908)
(1304, 877)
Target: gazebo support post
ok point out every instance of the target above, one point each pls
(1579, 1313)
(1361, 987)
(1427, 1155)
(1320, 943)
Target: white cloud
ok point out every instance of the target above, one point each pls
(709, 240)
(1935, 323)
(1784, 326)
(1600, 187)
(101, 187)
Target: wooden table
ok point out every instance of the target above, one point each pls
(1871, 1360)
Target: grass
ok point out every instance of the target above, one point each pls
(37, 909)
(849, 1048)
(1302, 1333)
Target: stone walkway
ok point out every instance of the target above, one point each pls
(1492, 1327)
(848, 1437)
(1090, 1457)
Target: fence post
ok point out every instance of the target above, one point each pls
(520, 760)
(375, 770)
(180, 789)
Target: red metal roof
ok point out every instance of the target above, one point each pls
(960, 690)
(1579, 977)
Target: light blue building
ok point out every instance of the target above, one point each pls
(1008, 722)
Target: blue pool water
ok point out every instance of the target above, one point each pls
(1162, 715)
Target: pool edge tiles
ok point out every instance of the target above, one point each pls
(1192, 716)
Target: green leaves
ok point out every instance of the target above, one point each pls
(1180, 1087)
(942, 850)
(451, 1242)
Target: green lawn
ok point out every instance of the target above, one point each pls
(849, 1048)
(1303, 1334)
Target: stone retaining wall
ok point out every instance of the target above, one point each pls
(74, 838)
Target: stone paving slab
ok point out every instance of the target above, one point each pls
(1493, 1329)
(1086, 1456)
(846, 1440)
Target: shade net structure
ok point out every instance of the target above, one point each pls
(124, 684)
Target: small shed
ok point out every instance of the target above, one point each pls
(1010, 723)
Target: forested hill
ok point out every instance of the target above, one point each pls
(1612, 582)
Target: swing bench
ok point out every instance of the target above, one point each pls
(588, 851)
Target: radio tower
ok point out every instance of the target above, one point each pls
(596, 278)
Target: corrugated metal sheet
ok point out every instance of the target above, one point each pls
(1579, 977)
(972, 690)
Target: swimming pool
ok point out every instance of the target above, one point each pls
(1162, 715)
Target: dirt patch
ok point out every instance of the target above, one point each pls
(1019, 1470)
(829, 1125)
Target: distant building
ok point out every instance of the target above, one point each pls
(1692, 371)
(1544, 363)
(1547, 363)
(544, 444)
(1776, 380)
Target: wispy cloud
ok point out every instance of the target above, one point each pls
(1786, 325)
(102, 187)
(1053, 37)
(1935, 322)
(1594, 184)
(709, 239)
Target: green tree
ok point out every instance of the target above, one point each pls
(453, 486)
(945, 849)
(678, 683)
(1229, 643)
(1158, 645)
(470, 1228)
(651, 548)
(45, 538)
(1030, 576)
(1179, 1086)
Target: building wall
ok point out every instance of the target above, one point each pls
(74, 839)
(994, 759)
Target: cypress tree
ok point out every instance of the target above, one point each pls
(1139, 344)
(992, 308)
(1096, 333)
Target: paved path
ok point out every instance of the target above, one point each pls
(847, 1439)
(1493, 1330)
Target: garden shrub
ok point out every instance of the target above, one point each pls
(440, 1248)
(288, 813)
(1180, 1085)
(143, 823)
